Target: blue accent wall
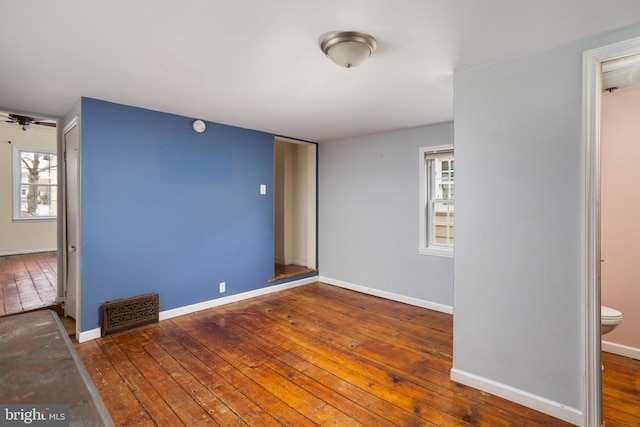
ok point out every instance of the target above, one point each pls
(169, 210)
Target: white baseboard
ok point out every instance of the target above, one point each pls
(93, 334)
(530, 400)
(89, 335)
(389, 295)
(168, 314)
(621, 350)
(28, 251)
(288, 261)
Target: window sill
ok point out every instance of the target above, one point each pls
(36, 219)
(442, 252)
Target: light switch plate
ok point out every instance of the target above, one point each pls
(263, 189)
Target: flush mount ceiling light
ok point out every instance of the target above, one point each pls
(349, 48)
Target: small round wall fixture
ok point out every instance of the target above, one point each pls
(199, 126)
(348, 48)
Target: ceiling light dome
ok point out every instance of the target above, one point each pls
(348, 48)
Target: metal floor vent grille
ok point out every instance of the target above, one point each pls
(128, 313)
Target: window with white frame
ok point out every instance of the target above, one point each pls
(35, 183)
(437, 190)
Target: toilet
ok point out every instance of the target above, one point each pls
(609, 319)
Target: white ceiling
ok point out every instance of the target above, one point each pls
(257, 64)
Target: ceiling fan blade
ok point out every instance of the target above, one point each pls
(26, 120)
(19, 117)
(48, 124)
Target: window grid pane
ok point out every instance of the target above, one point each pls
(440, 200)
(443, 223)
(38, 184)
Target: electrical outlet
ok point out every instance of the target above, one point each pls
(223, 287)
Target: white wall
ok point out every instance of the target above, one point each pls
(22, 236)
(369, 211)
(279, 208)
(519, 227)
(299, 214)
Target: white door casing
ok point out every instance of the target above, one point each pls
(71, 146)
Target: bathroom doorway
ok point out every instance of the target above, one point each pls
(620, 202)
(619, 234)
(593, 85)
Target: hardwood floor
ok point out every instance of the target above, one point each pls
(312, 355)
(27, 282)
(620, 391)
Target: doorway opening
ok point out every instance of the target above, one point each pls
(294, 208)
(593, 61)
(29, 174)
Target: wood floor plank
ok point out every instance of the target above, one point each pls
(319, 367)
(111, 387)
(365, 407)
(621, 390)
(28, 282)
(165, 385)
(349, 408)
(146, 395)
(261, 396)
(200, 393)
(424, 331)
(227, 392)
(382, 351)
(11, 299)
(312, 355)
(404, 388)
(313, 347)
(260, 369)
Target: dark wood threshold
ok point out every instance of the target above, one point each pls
(58, 308)
(282, 271)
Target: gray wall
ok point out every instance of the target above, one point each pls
(519, 211)
(369, 211)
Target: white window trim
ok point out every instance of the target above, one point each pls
(17, 180)
(424, 248)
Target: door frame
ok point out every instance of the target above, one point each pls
(591, 110)
(64, 223)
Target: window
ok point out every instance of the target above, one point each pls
(437, 189)
(35, 189)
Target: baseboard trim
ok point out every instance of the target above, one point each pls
(621, 350)
(530, 400)
(89, 335)
(288, 261)
(389, 295)
(181, 311)
(188, 309)
(28, 251)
